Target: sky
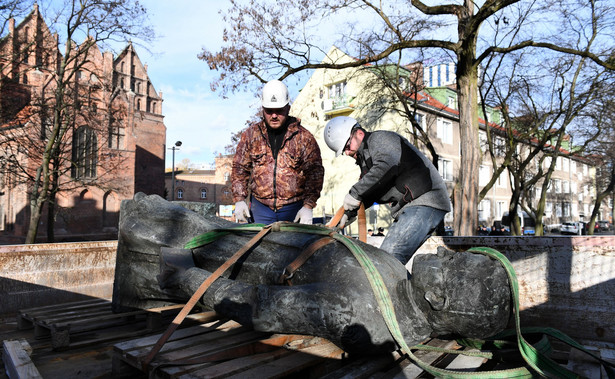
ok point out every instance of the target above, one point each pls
(201, 119)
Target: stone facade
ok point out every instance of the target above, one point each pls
(114, 145)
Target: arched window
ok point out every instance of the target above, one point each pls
(180, 193)
(138, 104)
(84, 154)
(203, 193)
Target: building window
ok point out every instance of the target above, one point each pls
(566, 209)
(337, 90)
(419, 119)
(557, 184)
(484, 210)
(501, 182)
(203, 193)
(484, 174)
(566, 164)
(500, 146)
(484, 143)
(452, 103)
(445, 168)
(84, 154)
(116, 137)
(445, 131)
(500, 209)
(180, 193)
(548, 209)
(227, 176)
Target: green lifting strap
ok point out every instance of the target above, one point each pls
(536, 359)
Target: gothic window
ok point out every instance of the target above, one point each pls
(116, 136)
(84, 154)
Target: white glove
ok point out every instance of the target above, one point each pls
(305, 215)
(241, 211)
(350, 203)
(345, 221)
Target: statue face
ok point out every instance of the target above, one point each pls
(461, 293)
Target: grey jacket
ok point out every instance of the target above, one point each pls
(395, 171)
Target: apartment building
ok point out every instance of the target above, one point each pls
(350, 92)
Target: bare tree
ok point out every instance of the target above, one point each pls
(267, 40)
(600, 149)
(541, 108)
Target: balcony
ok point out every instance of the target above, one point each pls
(339, 104)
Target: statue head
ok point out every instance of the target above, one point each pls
(461, 293)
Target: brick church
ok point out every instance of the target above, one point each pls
(113, 141)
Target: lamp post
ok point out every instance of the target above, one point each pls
(176, 147)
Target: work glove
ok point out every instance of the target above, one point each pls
(350, 203)
(347, 219)
(305, 215)
(242, 212)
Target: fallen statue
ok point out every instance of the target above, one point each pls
(446, 294)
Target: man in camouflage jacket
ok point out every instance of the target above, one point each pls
(279, 162)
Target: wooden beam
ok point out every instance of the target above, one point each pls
(17, 360)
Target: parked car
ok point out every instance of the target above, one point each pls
(603, 225)
(570, 228)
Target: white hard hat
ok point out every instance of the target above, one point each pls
(337, 132)
(275, 95)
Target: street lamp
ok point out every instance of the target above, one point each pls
(176, 147)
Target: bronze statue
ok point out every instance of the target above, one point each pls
(448, 293)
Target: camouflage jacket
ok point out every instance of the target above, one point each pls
(296, 175)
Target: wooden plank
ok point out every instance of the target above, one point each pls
(293, 363)
(17, 361)
(207, 343)
(364, 367)
(235, 366)
(238, 353)
(466, 363)
(132, 351)
(127, 346)
(65, 305)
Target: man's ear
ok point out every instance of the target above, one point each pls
(360, 134)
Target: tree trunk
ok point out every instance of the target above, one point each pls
(51, 210)
(466, 193)
(36, 206)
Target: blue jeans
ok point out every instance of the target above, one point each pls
(413, 226)
(262, 214)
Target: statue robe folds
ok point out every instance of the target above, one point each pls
(448, 293)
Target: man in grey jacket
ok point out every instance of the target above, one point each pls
(395, 172)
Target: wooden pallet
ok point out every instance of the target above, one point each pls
(226, 349)
(62, 322)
